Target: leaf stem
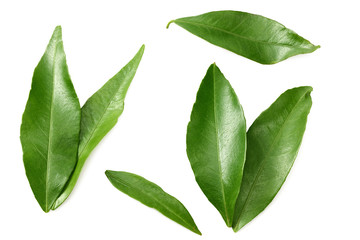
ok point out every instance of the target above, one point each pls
(167, 26)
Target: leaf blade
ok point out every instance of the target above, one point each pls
(274, 140)
(216, 142)
(50, 126)
(252, 36)
(152, 196)
(99, 115)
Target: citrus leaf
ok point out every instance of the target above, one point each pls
(152, 196)
(273, 143)
(252, 36)
(216, 142)
(50, 125)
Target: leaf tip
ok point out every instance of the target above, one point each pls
(315, 47)
(228, 223)
(214, 68)
(57, 34)
(236, 227)
(142, 48)
(140, 52)
(213, 65)
(45, 209)
(167, 26)
(107, 173)
(309, 89)
(58, 30)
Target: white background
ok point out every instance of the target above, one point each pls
(320, 199)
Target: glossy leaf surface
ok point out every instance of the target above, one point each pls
(273, 143)
(100, 114)
(50, 125)
(216, 142)
(152, 196)
(252, 36)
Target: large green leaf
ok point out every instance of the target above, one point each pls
(273, 142)
(252, 36)
(99, 115)
(216, 142)
(50, 125)
(152, 196)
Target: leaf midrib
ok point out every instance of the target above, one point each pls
(218, 151)
(267, 154)
(240, 36)
(48, 165)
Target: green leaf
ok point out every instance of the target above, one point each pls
(216, 142)
(99, 115)
(252, 36)
(152, 196)
(273, 143)
(50, 125)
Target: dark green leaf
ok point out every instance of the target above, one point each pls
(252, 36)
(216, 142)
(99, 115)
(50, 125)
(152, 196)
(273, 142)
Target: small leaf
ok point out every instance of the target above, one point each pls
(252, 36)
(50, 125)
(216, 142)
(99, 115)
(273, 142)
(152, 196)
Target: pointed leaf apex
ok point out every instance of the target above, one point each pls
(57, 34)
(142, 49)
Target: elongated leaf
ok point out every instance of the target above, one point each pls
(252, 36)
(216, 142)
(152, 196)
(273, 142)
(50, 125)
(99, 115)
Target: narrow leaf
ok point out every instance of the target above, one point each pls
(152, 196)
(99, 115)
(273, 142)
(252, 36)
(216, 142)
(50, 125)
